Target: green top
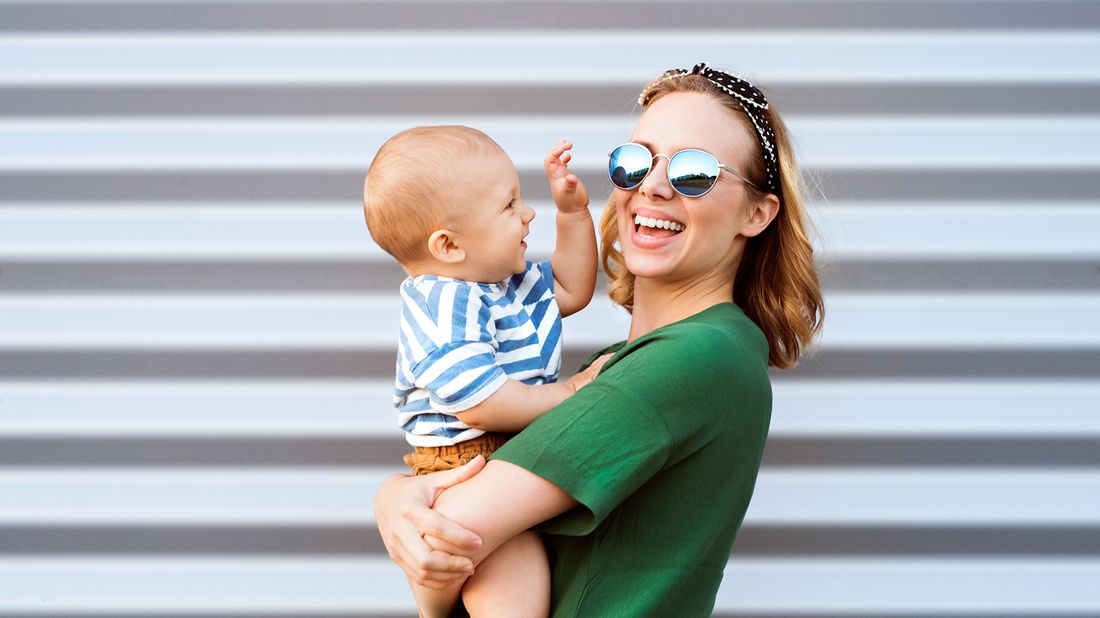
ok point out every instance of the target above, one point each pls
(662, 451)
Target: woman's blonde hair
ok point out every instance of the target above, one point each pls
(776, 282)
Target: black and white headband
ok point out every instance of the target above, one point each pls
(749, 98)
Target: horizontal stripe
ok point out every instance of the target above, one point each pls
(533, 57)
(273, 189)
(324, 276)
(359, 410)
(1019, 143)
(496, 15)
(918, 321)
(230, 100)
(924, 364)
(889, 231)
(820, 541)
(335, 586)
(275, 365)
(224, 495)
(865, 451)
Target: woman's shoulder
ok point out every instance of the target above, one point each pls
(722, 331)
(711, 343)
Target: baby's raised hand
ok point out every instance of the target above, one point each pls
(568, 190)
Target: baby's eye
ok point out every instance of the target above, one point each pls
(511, 205)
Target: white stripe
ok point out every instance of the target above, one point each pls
(931, 408)
(279, 585)
(292, 143)
(920, 320)
(196, 232)
(361, 409)
(520, 57)
(328, 496)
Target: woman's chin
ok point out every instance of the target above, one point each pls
(649, 266)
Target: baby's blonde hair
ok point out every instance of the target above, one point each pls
(408, 190)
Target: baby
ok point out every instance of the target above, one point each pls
(480, 342)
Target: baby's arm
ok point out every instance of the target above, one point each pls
(516, 404)
(574, 258)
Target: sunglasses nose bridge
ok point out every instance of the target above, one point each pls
(656, 181)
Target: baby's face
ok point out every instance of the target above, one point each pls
(490, 219)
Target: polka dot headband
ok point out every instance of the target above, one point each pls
(748, 97)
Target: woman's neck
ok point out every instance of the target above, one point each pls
(659, 303)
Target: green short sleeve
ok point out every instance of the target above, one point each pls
(599, 447)
(658, 401)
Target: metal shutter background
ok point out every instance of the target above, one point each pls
(196, 332)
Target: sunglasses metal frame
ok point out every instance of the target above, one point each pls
(653, 157)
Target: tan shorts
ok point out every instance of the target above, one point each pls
(427, 459)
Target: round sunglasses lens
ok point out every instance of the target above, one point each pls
(692, 172)
(628, 165)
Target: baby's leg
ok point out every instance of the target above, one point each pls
(514, 580)
(432, 603)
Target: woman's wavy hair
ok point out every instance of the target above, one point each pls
(776, 283)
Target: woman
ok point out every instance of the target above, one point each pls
(641, 479)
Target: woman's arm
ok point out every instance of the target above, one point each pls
(497, 504)
(494, 505)
(403, 511)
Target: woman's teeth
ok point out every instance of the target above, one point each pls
(658, 223)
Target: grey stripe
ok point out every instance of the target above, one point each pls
(353, 614)
(753, 541)
(134, 366)
(231, 101)
(366, 276)
(961, 276)
(370, 614)
(950, 364)
(271, 188)
(384, 277)
(932, 452)
(240, 614)
(946, 614)
(171, 452)
(275, 187)
(341, 452)
(587, 15)
(304, 363)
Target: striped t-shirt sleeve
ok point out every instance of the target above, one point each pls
(459, 375)
(453, 355)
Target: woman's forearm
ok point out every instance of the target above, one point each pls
(499, 503)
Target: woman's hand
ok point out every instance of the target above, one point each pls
(404, 514)
(581, 378)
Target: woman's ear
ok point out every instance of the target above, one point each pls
(442, 246)
(761, 213)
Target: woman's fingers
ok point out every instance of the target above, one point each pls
(420, 562)
(404, 515)
(427, 521)
(442, 545)
(450, 478)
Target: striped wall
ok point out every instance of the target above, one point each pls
(196, 333)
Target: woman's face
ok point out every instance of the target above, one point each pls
(711, 241)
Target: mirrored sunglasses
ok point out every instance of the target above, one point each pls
(691, 172)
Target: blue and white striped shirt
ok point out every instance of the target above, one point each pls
(460, 341)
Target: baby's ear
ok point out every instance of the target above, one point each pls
(441, 244)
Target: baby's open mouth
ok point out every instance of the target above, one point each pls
(656, 227)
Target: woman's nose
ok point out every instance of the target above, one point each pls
(655, 184)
